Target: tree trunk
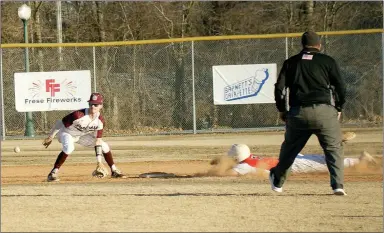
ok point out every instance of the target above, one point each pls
(179, 109)
(140, 111)
(133, 90)
(133, 114)
(214, 30)
(215, 116)
(330, 15)
(179, 114)
(105, 86)
(309, 15)
(40, 58)
(115, 114)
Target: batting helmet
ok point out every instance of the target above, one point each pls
(239, 151)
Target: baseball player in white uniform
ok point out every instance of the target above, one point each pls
(250, 163)
(84, 127)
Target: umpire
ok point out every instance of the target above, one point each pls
(316, 98)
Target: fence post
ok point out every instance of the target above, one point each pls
(193, 88)
(382, 52)
(94, 68)
(2, 97)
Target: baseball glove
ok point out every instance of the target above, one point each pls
(100, 171)
(47, 142)
(347, 136)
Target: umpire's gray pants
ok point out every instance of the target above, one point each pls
(302, 122)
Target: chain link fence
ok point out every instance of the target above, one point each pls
(167, 87)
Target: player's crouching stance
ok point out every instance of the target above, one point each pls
(84, 127)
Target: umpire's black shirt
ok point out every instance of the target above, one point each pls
(310, 75)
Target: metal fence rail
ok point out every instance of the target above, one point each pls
(164, 86)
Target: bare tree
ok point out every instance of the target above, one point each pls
(309, 5)
(40, 56)
(177, 26)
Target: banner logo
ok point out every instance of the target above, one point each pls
(51, 86)
(248, 87)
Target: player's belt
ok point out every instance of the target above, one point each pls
(313, 105)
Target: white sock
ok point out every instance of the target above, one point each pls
(55, 170)
(99, 158)
(113, 167)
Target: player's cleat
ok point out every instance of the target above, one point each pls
(272, 180)
(347, 136)
(118, 174)
(52, 176)
(339, 192)
(367, 158)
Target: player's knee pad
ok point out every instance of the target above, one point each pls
(105, 147)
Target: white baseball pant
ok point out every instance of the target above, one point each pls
(89, 140)
(316, 163)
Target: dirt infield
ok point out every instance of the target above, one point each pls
(197, 199)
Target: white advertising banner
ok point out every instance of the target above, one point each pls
(49, 91)
(244, 84)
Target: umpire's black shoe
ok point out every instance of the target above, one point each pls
(272, 181)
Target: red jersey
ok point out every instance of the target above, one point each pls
(260, 162)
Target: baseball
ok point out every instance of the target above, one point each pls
(16, 149)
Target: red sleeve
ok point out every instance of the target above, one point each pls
(70, 118)
(99, 133)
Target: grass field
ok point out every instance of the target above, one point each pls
(195, 200)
